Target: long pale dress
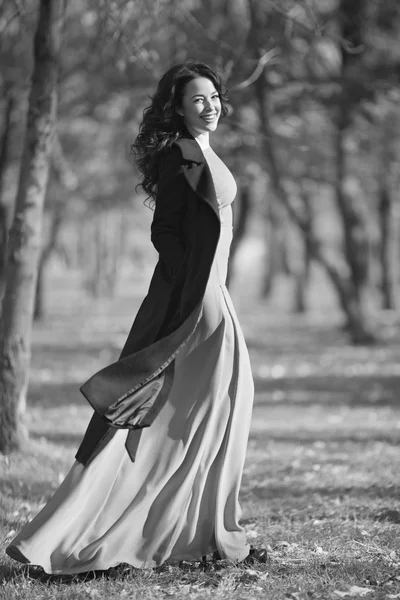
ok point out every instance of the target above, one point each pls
(179, 499)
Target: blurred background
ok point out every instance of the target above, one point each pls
(313, 139)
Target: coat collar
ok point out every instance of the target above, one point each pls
(198, 175)
(190, 149)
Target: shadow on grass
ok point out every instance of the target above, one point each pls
(60, 438)
(289, 492)
(37, 491)
(309, 438)
(336, 391)
(38, 575)
(295, 335)
(68, 352)
(356, 391)
(50, 395)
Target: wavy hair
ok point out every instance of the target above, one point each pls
(162, 125)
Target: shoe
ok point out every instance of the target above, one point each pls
(256, 555)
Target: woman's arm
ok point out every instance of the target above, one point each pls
(166, 228)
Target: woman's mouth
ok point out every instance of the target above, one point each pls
(210, 118)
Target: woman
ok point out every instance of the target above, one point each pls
(141, 494)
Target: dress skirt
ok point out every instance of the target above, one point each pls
(179, 500)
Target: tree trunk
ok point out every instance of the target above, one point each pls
(353, 215)
(69, 181)
(25, 235)
(277, 247)
(349, 200)
(66, 177)
(240, 224)
(388, 219)
(39, 309)
(302, 271)
(6, 207)
(387, 252)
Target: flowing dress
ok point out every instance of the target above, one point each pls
(179, 500)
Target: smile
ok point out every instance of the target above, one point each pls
(209, 118)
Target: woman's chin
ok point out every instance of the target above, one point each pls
(211, 126)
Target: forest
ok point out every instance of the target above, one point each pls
(313, 139)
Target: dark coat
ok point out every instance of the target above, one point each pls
(185, 232)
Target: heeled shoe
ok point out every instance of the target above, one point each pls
(215, 556)
(255, 555)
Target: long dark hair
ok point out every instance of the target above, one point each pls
(162, 125)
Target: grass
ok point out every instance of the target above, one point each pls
(321, 486)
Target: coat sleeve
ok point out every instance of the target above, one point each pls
(166, 228)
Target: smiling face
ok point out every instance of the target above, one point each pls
(201, 105)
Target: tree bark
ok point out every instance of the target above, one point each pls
(302, 272)
(387, 226)
(349, 201)
(352, 213)
(25, 235)
(6, 208)
(277, 247)
(388, 219)
(67, 178)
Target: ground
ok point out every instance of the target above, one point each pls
(321, 483)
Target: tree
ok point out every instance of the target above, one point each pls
(349, 198)
(25, 235)
(5, 207)
(339, 272)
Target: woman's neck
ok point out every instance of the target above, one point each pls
(202, 139)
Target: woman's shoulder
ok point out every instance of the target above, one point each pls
(190, 149)
(181, 151)
(169, 162)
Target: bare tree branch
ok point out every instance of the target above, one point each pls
(262, 62)
(196, 23)
(127, 41)
(9, 21)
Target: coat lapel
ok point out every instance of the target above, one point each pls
(198, 174)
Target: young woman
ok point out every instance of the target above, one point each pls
(158, 472)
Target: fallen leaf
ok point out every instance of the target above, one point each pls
(92, 593)
(294, 594)
(252, 534)
(10, 534)
(353, 591)
(249, 576)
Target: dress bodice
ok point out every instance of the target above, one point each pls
(225, 192)
(224, 182)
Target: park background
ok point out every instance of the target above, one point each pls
(313, 139)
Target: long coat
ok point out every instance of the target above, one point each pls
(185, 232)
